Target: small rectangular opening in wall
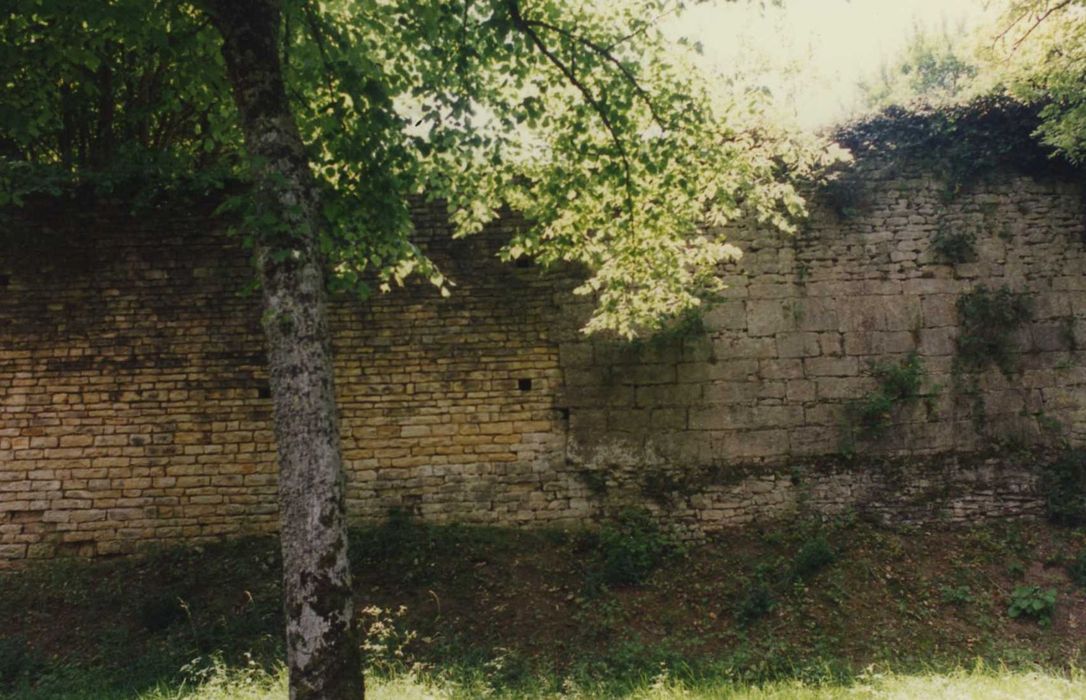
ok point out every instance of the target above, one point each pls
(5, 280)
(524, 262)
(263, 392)
(524, 384)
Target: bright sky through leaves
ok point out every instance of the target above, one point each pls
(811, 54)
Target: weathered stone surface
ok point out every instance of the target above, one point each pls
(133, 394)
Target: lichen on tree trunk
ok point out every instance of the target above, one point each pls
(323, 656)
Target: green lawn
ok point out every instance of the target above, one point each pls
(976, 684)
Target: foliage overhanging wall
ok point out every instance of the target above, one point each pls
(836, 375)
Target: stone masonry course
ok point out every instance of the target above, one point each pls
(134, 407)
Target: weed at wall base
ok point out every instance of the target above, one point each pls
(631, 547)
(1063, 483)
(1034, 603)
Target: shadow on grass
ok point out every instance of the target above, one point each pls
(454, 611)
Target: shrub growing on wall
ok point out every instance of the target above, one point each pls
(899, 384)
(989, 320)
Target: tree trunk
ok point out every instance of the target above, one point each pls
(323, 656)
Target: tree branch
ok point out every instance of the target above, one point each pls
(523, 25)
(605, 53)
(1036, 23)
(641, 30)
(1055, 8)
(322, 46)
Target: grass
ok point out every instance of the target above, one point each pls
(978, 683)
(460, 612)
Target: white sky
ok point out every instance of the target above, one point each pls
(816, 50)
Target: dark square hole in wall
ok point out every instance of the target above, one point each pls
(4, 281)
(524, 261)
(524, 384)
(263, 392)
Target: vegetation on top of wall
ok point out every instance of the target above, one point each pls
(961, 142)
(988, 321)
(154, 181)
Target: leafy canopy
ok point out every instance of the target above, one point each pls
(935, 67)
(579, 115)
(1042, 54)
(1033, 54)
(111, 92)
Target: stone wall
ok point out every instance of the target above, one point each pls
(768, 389)
(134, 401)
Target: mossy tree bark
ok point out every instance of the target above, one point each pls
(322, 652)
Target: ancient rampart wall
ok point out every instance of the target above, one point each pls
(134, 408)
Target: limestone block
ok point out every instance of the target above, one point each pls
(768, 317)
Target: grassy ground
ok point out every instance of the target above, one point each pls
(793, 611)
(975, 684)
